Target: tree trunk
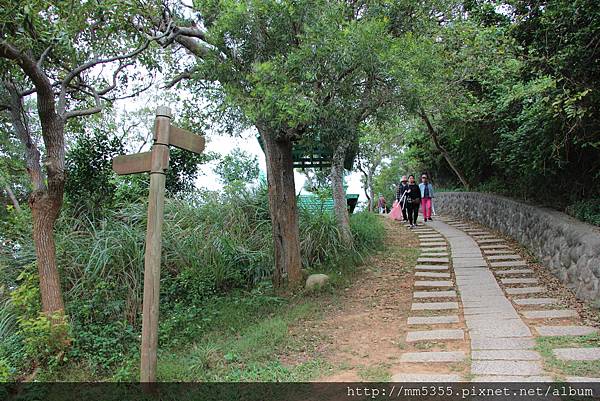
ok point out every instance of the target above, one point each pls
(434, 136)
(369, 203)
(45, 210)
(367, 187)
(46, 197)
(13, 198)
(371, 191)
(283, 209)
(340, 205)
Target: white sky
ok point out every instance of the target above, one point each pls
(225, 144)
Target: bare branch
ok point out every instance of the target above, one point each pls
(187, 74)
(86, 112)
(43, 57)
(113, 85)
(21, 127)
(42, 84)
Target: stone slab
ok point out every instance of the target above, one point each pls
(512, 368)
(513, 271)
(440, 356)
(458, 255)
(550, 314)
(425, 377)
(432, 283)
(515, 263)
(504, 257)
(496, 251)
(535, 301)
(432, 274)
(433, 335)
(435, 294)
(577, 354)
(432, 243)
(489, 310)
(553, 331)
(512, 379)
(499, 343)
(430, 235)
(434, 305)
(469, 262)
(522, 280)
(502, 331)
(525, 290)
(433, 319)
(497, 246)
(476, 322)
(490, 241)
(431, 267)
(435, 249)
(506, 355)
(433, 260)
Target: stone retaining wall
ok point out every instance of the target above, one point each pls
(568, 247)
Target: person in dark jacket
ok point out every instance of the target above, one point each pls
(413, 200)
(401, 198)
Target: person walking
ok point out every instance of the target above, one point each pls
(381, 204)
(426, 196)
(401, 197)
(413, 200)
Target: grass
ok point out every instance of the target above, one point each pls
(218, 321)
(545, 345)
(377, 373)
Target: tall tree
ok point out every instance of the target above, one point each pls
(253, 56)
(71, 57)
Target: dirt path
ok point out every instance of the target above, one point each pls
(364, 327)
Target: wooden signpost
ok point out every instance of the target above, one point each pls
(156, 162)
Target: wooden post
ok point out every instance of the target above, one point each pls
(152, 256)
(156, 162)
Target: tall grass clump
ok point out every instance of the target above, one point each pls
(217, 250)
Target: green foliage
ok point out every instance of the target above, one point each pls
(317, 181)
(587, 210)
(46, 338)
(90, 186)
(5, 370)
(237, 166)
(40, 338)
(510, 95)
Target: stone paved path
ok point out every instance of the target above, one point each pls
(474, 289)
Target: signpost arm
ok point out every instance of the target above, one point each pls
(152, 256)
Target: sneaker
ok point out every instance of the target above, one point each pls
(430, 219)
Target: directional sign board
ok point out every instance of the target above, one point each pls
(132, 164)
(185, 140)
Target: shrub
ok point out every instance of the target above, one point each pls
(586, 210)
(46, 338)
